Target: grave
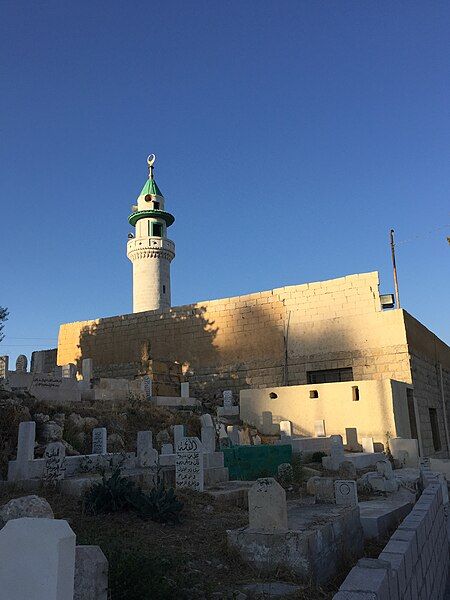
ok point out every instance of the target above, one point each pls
(20, 468)
(233, 434)
(189, 469)
(367, 445)
(268, 427)
(37, 560)
(99, 440)
(378, 517)
(21, 364)
(184, 391)
(345, 492)
(286, 428)
(54, 463)
(179, 432)
(69, 371)
(227, 410)
(351, 438)
(267, 506)
(208, 435)
(333, 462)
(146, 456)
(319, 428)
(147, 387)
(91, 574)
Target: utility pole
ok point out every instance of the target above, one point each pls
(394, 268)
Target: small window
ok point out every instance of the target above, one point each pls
(157, 230)
(164, 289)
(156, 205)
(148, 198)
(355, 393)
(330, 375)
(435, 429)
(313, 394)
(272, 395)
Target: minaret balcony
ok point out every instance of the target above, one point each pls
(155, 245)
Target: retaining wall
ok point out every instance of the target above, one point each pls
(413, 564)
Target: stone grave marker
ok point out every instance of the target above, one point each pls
(38, 560)
(244, 437)
(384, 468)
(351, 436)
(147, 387)
(167, 448)
(21, 364)
(367, 444)
(54, 465)
(87, 370)
(99, 440)
(268, 427)
(424, 462)
(346, 492)
(267, 508)
(286, 428)
(337, 455)
(179, 432)
(206, 420)
(185, 390)
(189, 464)
(146, 456)
(233, 434)
(319, 428)
(25, 450)
(209, 439)
(256, 440)
(227, 398)
(4, 366)
(69, 371)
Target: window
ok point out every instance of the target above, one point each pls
(330, 375)
(355, 393)
(157, 229)
(313, 394)
(156, 205)
(164, 289)
(435, 429)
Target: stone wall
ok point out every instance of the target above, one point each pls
(43, 361)
(256, 340)
(413, 564)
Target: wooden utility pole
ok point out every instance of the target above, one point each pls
(394, 268)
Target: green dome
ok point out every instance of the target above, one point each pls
(150, 188)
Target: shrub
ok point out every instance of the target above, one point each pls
(119, 494)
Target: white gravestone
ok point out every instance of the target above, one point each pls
(147, 387)
(189, 464)
(319, 428)
(267, 508)
(54, 465)
(146, 456)
(99, 440)
(4, 366)
(367, 444)
(21, 364)
(337, 455)
(227, 398)
(87, 370)
(244, 437)
(25, 450)
(256, 440)
(384, 468)
(233, 434)
(209, 439)
(424, 463)
(185, 390)
(351, 436)
(179, 432)
(405, 450)
(37, 560)
(286, 428)
(69, 371)
(166, 449)
(346, 492)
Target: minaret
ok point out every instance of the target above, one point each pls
(150, 251)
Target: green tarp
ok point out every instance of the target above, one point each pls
(252, 462)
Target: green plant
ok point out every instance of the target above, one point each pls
(119, 494)
(317, 456)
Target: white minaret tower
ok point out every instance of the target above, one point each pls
(150, 251)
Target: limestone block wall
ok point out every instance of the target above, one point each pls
(240, 342)
(381, 408)
(413, 564)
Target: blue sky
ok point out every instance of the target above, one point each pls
(290, 136)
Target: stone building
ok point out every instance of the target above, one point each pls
(322, 332)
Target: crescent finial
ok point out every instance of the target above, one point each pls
(151, 159)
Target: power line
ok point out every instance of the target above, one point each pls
(422, 235)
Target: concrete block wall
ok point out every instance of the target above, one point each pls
(239, 342)
(414, 563)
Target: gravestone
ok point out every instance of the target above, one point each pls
(25, 450)
(69, 371)
(4, 366)
(244, 437)
(185, 390)
(54, 465)
(146, 455)
(147, 387)
(351, 436)
(233, 434)
(21, 364)
(322, 488)
(286, 428)
(99, 440)
(267, 508)
(87, 370)
(37, 560)
(268, 427)
(319, 428)
(256, 440)
(424, 463)
(346, 492)
(91, 574)
(206, 420)
(167, 448)
(405, 450)
(189, 464)
(227, 398)
(208, 435)
(179, 432)
(337, 455)
(384, 468)
(222, 431)
(367, 444)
